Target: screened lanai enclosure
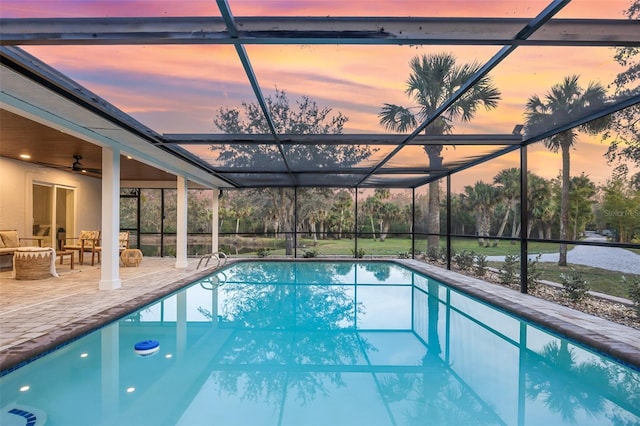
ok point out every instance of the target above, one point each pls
(454, 132)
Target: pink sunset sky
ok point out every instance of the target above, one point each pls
(179, 88)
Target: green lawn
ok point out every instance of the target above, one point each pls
(600, 280)
(502, 249)
(394, 246)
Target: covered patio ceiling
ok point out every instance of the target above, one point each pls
(152, 79)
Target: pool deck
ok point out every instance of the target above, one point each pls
(39, 315)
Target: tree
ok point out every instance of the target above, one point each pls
(541, 205)
(433, 80)
(341, 217)
(314, 206)
(621, 207)
(509, 191)
(634, 182)
(376, 207)
(564, 103)
(241, 209)
(625, 124)
(481, 199)
(461, 218)
(582, 191)
(303, 118)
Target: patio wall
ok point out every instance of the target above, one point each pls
(16, 179)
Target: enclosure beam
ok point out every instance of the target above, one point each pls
(365, 30)
(524, 222)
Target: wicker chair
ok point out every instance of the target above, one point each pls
(83, 244)
(123, 241)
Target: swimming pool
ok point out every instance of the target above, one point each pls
(321, 343)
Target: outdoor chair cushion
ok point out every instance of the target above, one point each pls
(88, 237)
(10, 239)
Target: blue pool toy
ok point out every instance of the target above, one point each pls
(147, 347)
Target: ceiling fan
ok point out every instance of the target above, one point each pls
(76, 167)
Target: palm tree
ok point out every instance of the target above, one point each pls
(541, 205)
(509, 181)
(481, 200)
(564, 103)
(433, 80)
(582, 191)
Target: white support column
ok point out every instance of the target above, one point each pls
(181, 226)
(215, 208)
(110, 262)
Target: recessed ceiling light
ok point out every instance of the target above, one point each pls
(25, 156)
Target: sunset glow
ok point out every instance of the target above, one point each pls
(180, 88)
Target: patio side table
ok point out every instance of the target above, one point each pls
(62, 253)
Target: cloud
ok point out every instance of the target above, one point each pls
(178, 88)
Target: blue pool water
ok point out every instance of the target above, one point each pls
(318, 343)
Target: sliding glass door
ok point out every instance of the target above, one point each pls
(53, 213)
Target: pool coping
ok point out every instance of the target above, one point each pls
(600, 334)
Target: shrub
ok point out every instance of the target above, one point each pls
(509, 269)
(311, 253)
(481, 265)
(358, 254)
(263, 252)
(533, 273)
(434, 254)
(633, 287)
(404, 255)
(464, 260)
(574, 285)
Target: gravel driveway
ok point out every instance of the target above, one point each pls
(611, 258)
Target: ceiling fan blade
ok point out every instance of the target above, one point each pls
(85, 170)
(51, 165)
(76, 167)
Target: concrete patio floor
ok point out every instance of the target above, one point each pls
(39, 315)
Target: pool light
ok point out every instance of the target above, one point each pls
(25, 388)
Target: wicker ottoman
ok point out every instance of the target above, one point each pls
(131, 257)
(34, 263)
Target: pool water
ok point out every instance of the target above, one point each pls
(321, 343)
